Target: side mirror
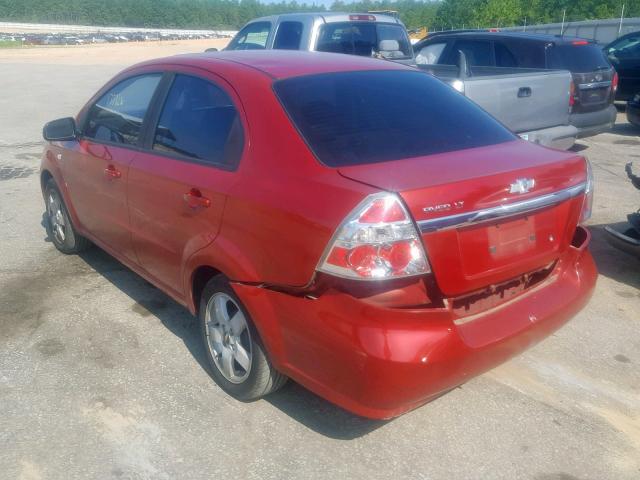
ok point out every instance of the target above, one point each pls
(212, 49)
(63, 129)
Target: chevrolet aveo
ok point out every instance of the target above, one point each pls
(350, 223)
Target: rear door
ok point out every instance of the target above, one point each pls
(96, 169)
(178, 185)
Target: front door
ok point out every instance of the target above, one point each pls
(97, 166)
(178, 185)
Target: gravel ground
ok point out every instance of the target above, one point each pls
(103, 376)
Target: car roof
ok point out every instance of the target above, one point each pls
(540, 37)
(279, 64)
(328, 17)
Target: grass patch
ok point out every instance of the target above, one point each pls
(10, 44)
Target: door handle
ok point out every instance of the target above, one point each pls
(524, 92)
(194, 199)
(112, 173)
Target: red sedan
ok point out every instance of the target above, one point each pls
(351, 223)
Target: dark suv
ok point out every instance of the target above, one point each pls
(595, 80)
(624, 54)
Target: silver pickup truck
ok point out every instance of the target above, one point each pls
(532, 103)
(364, 34)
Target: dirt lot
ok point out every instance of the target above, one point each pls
(102, 376)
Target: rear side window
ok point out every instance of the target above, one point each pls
(199, 121)
(364, 38)
(288, 36)
(578, 58)
(351, 118)
(519, 53)
(117, 116)
(504, 57)
(478, 53)
(252, 37)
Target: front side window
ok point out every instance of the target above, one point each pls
(199, 121)
(627, 47)
(366, 39)
(430, 54)
(252, 37)
(288, 36)
(352, 118)
(117, 116)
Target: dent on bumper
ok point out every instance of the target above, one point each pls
(380, 362)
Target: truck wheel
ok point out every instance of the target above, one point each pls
(58, 223)
(237, 358)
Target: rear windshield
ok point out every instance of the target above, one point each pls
(578, 58)
(367, 39)
(352, 118)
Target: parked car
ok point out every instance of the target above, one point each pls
(633, 110)
(362, 34)
(624, 54)
(627, 237)
(322, 226)
(534, 103)
(594, 78)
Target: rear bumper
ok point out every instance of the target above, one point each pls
(381, 362)
(593, 123)
(561, 137)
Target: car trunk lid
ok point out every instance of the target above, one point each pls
(486, 214)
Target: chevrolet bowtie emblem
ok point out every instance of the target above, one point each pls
(522, 185)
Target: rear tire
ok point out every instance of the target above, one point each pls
(58, 222)
(238, 361)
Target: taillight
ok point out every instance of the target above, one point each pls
(572, 94)
(377, 241)
(587, 204)
(614, 82)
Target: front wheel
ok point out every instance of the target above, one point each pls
(238, 360)
(58, 223)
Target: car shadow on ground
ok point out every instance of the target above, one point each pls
(627, 130)
(611, 262)
(297, 402)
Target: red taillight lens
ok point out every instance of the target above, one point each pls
(377, 241)
(587, 204)
(614, 82)
(572, 95)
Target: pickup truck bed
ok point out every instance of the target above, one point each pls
(533, 103)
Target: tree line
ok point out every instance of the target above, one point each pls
(231, 14)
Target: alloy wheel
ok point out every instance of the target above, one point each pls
(56, 217)
(228, 338)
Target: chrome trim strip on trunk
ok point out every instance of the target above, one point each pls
(501, 211)
(590, 86)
